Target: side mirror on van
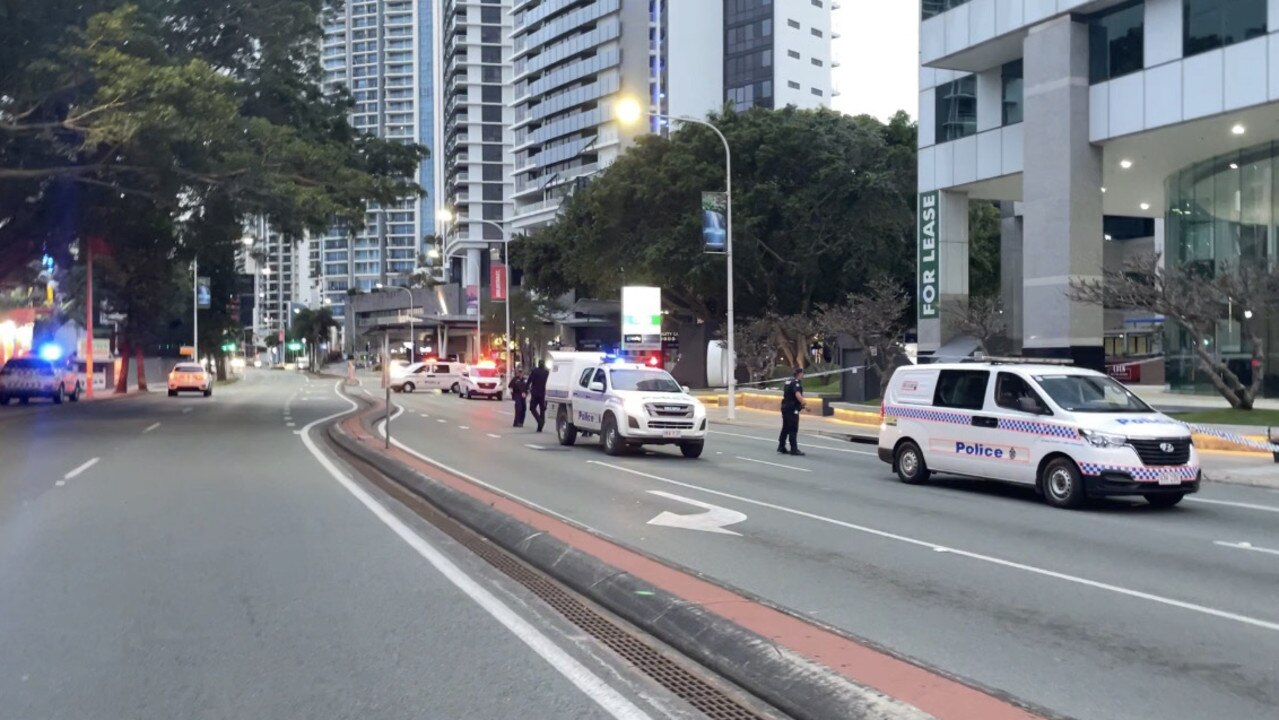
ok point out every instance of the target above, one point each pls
(1029, 404)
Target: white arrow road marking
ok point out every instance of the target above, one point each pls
(713, 520)
(150, 427)
(495, 437)
(1245, 546)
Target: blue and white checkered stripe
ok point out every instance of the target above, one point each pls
(1142, 473)
(1039, 428)
(1029, 427)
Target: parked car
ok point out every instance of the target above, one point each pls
(190, 377)
(28, 377)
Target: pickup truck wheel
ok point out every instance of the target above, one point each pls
(208, 393)
(24, 400)
(1062, 484)
(4, 399)
(691, 449)
(408, 387)
(564, 429)
(499, 397)
(57, 395)
(612, 439)
(173, 393)
(75, 394)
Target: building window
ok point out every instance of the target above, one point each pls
(792, 84)
(793, 23)
(816, 92)
(793, 53)
(815, 32)
(1012, 92)
(817, 62)
(1210, 24)
(956, 109)
(930, 8)
(1116, 41)
(817, 3)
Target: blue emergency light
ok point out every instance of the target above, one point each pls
(50, 351)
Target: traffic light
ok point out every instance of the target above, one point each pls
(294, 345)
(228, 347)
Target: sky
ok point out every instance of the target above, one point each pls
(878, 52)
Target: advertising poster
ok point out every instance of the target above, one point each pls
(497, 282)
(714, 221)
(472, 299)
(641, 318)
(203, 295)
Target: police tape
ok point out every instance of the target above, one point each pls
(806, 376)
(1232, 437)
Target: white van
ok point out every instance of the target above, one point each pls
(1069, 432)
(431, 375)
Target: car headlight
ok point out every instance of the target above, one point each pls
(1103, 440)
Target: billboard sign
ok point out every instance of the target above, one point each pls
(203, 294)
(472, 299)
(714, 221)
(929, 266)
(497, 282)
(641, 318)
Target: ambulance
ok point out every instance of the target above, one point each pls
(1068, 432)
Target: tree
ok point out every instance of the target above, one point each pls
(1196, 299)
(822, 202)
(161, 125)
(755, 343)
(876, 320)
(532, 322)
(983, 249)
(315, 327)
(984, 319)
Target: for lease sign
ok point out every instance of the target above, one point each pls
(928, 263)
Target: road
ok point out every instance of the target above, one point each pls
(1117, 611)
(193, 558)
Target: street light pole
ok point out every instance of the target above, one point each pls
(628, 111)
(412, 333)
(506, 259)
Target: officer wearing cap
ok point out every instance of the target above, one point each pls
(792, 406)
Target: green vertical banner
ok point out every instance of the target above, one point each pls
(929, 266)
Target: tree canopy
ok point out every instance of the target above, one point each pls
(161, 125)
(823, 203)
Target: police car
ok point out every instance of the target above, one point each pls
(483, 380)
(1071, 433)
(32, 377)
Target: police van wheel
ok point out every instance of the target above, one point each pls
(691, 449)
(408, 387)
(910, 464)
(24, 400)
(57, 395)
(564, 429)
(1062, 484)
(4, 399)
(612, 439)
(75, 394)
(1164, 501)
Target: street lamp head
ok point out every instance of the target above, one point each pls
(1247, 314)
(379, 286)
(248, 240)
(433, 253)
(445, 214)
(627, 110)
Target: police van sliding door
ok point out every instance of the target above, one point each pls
(956, 442)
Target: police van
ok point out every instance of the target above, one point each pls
(1069, 432)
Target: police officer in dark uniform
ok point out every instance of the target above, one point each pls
(792, 406)
(519, 393)
(537, 393)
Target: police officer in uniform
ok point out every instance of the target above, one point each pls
(519, 393)
(792, 406)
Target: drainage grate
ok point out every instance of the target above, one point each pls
(713, 701)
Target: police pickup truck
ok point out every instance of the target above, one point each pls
(627, 405)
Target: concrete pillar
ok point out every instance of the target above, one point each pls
(943, 266)
(1062, 197)
(1010, 267)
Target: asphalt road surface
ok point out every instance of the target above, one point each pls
(192, 558)
(1117, 611)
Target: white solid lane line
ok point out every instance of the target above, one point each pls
(765, 462)
(495, 437)
(1043, 572)
(613, 702)
(774, 442)
(1246, 546)
(82, 468)
(440, 420)
(186, 410)
(463, 427)
(1247, 506)
(150, 427)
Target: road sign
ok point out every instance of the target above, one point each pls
(497, 282)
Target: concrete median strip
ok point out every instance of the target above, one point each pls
(803, 669)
